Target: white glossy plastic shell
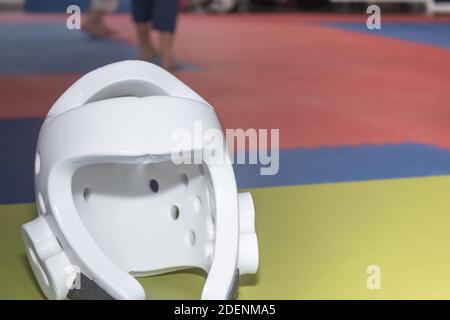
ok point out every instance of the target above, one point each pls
(111, 203)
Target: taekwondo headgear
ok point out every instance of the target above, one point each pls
(113, 205)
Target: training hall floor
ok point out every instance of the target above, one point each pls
(364, 120)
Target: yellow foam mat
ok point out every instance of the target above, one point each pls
(316, 242)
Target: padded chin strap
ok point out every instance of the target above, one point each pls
(88, 290)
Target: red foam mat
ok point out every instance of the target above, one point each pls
(319, 85)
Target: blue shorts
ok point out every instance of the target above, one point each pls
(163, 13)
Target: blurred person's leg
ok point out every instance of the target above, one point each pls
(165, 14)
(142, 11)
(94, 23)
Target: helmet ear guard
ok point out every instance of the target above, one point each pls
(113, 205)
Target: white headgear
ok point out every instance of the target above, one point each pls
(112, 204)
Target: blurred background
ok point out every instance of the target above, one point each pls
(363, 114)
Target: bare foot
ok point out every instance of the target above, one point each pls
(171, 67)
(107, 30)
(97, 29)
(168, 63)
(147, 53)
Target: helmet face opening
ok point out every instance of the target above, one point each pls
(147, 218)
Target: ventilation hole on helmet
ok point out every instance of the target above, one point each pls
(175, 212)
(37, 164)
(87, 194)
(41, 203)
(201, 170)
(154, 185)
(184, 179)
(197, 204)
(191, 238)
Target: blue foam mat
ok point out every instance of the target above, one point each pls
(61, 5)
(18, 139)
(51, 48)
(349, 163)
(435, 34)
